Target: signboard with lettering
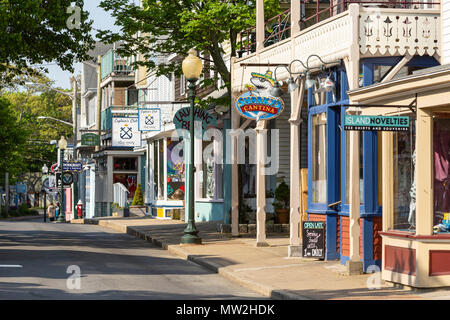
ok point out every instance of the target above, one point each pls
(72, 166)
(149, 119)
(90, 139)
(67, 179)
(125, 132)
(181, 119)
(258, 103)
(376, 123)
(313, 239)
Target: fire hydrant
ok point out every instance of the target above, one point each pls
(80, 209)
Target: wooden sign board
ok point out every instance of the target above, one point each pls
(313, 239)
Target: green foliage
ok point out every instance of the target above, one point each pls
(25, 139)
(282, 196)
(12, 140)
(173, 27)
(116, 206)
(34, 32)
(138, 199)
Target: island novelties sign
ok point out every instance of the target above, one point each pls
(376, 123)
(257, 103)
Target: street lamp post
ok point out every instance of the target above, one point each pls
(62, 145)
(45, 171)
(192, 68)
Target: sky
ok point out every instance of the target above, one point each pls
(102, 20)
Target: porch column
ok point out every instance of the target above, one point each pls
(234, 164)
(261, 141)
(259, 24)
(354, 265)
(424, 161)
(295, 120)
(388, 180)
(295, 16)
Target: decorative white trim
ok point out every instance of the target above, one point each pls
(399, 32)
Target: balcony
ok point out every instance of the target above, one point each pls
(119, 111)
(278, 28)
(115, 65)
(340, 31)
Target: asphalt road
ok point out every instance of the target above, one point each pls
(41, 261)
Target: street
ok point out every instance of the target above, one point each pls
(40, 261)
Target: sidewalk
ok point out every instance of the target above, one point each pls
(266, 270)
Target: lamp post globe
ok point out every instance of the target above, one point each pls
(192, 66)
(192, 69)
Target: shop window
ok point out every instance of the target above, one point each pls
(128, 180)
(441, 159)
(160, 168)
(175, 172)
(319, 161)
(125, 164)
(211, 174)
(404, 182)
(347, 168)
(158, 174)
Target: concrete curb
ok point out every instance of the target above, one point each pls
(264, 290)
(23, 218)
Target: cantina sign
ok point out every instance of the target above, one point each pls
(376, 123)
(257, 103)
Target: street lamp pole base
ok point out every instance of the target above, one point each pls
(191, 239)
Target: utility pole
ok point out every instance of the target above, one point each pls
(75, 153)
(7, 193)
(99, 100)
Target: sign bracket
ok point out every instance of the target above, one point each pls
(412, 106)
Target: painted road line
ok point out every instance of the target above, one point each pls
(11, 266)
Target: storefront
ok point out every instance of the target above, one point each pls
(166, 195)
(415, 176)
(329, 163)
(116, 166)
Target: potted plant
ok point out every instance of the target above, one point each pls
(137, 206)
(281, 203)
(117, 211)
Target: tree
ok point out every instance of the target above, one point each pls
(173, 27)
(138, 199)
(26, 106)
(12, 141)
(34, 32)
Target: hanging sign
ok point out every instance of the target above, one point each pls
(90, 139)
(67, 179)
(72, 166)
(149, 119)
(125, 132)
(313, 239)
(181, 119)
(376, 123)
(257, 103)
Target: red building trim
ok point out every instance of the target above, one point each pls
(400, 260)
(439, 262)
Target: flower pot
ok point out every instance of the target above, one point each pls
(282, 216)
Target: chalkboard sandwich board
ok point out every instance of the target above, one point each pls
(313, 239)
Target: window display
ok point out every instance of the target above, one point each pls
(319, 160)
(211, 180)
(404, 179)
(175, 172)
(125, 164)
(441, 159)
(128, 180)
